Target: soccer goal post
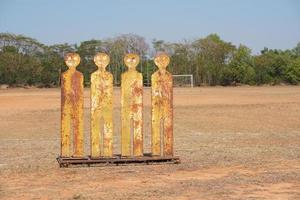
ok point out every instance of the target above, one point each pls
(183, 80)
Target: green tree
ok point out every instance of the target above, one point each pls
(270, 67)
(292, 72)
(240, 68)
(53, 65)
(212, 54)
(19, 69)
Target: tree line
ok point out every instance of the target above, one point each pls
(211, 60)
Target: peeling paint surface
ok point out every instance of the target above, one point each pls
(162, 108)
(132, 108)
(101, 109)
(72, 108)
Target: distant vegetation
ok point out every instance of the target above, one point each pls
(212, 61)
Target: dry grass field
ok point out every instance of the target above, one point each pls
(234, 143)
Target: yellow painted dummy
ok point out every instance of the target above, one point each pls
(72, 108)
(132, 107)
(162, 107)
(101, 108)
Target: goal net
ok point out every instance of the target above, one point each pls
(183, 80)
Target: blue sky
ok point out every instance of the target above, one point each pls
(255, 23)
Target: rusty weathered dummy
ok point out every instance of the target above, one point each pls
(101, 108)
(132, 107)
(162, 107)
(72, 107)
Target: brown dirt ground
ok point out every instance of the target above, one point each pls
(234, 143)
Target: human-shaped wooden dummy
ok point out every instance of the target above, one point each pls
(162, 107)
(72, 107)
(101, 108)
(132, 107)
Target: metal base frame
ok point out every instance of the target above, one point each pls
(117, 159)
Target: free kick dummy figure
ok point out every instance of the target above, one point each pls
(101, 108)
(72, 107)
(162, 107)
(132, 107)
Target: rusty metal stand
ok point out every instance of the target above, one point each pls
(116, 160)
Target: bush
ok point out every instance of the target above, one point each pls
(292, 72)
